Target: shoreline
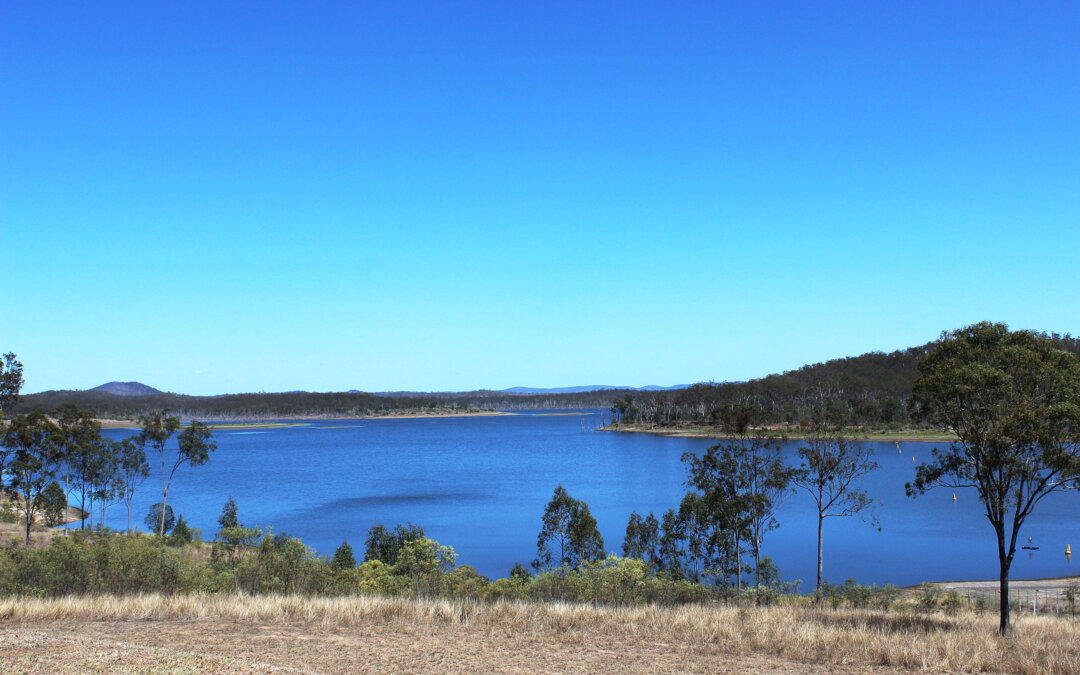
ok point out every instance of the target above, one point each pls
(703, 432)
(107, 423)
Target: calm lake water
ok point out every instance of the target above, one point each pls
(480, 485)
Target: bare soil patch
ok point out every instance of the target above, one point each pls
(195, 646)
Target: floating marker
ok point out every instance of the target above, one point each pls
(1068, 553)
(954, 496)
(898, 451)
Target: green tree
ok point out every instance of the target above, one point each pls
(156, 430)
(569, 535)
(79, 456)
(160, 517)
(229, 516)
(343, 558)
(518, 571)
(767, 481)
(133, 468)
(1012, 398)
(182, 533)
(194, 445)
(53, 503)
(831, 466)
(385, 545)
(11, 381)
(424, 562)
(721, 510)
(108, 483)
(642, 538)
(36, 443)
(672, 533)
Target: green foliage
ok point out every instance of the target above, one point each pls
(519, 571)
(37, 446)
(1013, 401)
(424, 562)
(100, 564)
(283, 564)
(343, 558)
(952, 602)
(384, 545)
(52, 501)
(831, 465)
(930, 599)
(229, 516)
(181, 532)
(1072, 592)
(642, 539)
(156, 523)
(857, 596)
(464, 582)
(376, 578)
(980, 604)
(569, 536)
(11, 381)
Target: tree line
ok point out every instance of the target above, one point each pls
(45, 460)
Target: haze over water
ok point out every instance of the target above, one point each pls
(481, 484)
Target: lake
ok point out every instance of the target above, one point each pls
(480, 484)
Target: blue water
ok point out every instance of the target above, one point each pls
(481, 484)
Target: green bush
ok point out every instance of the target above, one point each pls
(952, 602)
(928, 601)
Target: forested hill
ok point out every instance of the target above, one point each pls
(232, 406)
(871, 389)
(868, 389)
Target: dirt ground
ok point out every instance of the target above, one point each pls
(176, 646)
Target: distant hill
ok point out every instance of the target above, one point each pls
(869, 389)
(127, 389)
(588, 387)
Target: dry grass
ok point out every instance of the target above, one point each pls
(965, 643)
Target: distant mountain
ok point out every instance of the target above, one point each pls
(127, 389)
(588, 387)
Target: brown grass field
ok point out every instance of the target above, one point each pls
(237, 634)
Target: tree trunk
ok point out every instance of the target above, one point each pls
(738, 566)
(819, 567)
(164, 501)
(1004, 627)
(757, 561)
(67, 508)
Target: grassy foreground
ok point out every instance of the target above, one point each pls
(195, 633)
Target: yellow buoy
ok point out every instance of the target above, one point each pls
(1068, 549)
(898, 447)
(913, 459)
(954, 496)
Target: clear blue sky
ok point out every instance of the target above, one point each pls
(218, 197)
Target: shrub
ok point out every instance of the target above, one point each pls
(887, 596)
(952, 602)
(1072, 591)
(928, 601)
(464, 582)
(181, 533)
(857, 596)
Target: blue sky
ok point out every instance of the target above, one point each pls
(223, 197)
